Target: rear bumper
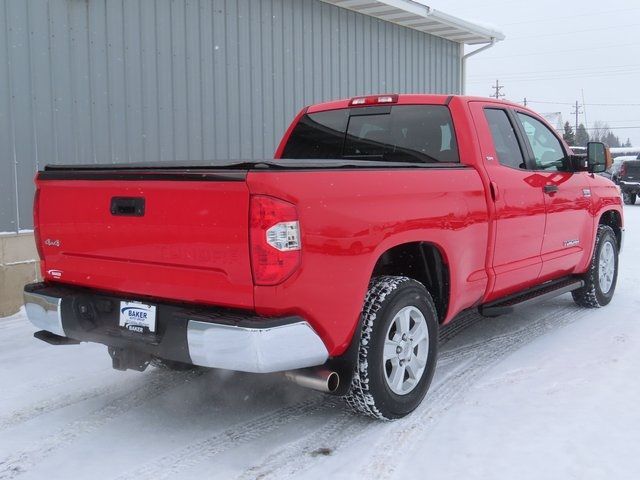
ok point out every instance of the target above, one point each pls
(208, 337)
(630, 187)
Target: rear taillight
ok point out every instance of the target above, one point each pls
(36, 222)
(623, 170)
(275, 239)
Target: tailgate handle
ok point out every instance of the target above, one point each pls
(127, 206)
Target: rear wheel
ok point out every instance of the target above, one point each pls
(602, 276)
(629, 198)
(398, 349)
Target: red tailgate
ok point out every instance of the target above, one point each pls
(189, 244)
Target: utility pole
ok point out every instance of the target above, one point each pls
(497, 87)
(584, 107)
(576, 112)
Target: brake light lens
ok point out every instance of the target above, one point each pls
(373, 100)
(623, 170)
(36, 223)
(275, 240)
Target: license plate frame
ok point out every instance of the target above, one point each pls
(137, 317)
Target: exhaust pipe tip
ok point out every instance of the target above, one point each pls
(333, 382)
(320, 379)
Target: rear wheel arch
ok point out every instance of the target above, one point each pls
(424, 262)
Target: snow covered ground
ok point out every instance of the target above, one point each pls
(550, 392)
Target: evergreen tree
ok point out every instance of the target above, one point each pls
(568, 135)
(611, 140)
(582, 137)
(628, 143)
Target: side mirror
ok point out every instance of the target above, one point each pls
(598, 157)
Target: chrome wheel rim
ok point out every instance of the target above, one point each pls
(606, 267)
(406, 348)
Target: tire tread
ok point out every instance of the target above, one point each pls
(359, 398)
(586, 296)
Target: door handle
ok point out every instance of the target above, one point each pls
(495, 192)
(127, 206)
(550, 189)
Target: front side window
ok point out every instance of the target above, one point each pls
(547, 149)
(402, 133)
(504, 138)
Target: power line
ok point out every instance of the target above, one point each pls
(555, 52)
(626, 127)
(547, 19)
(568, 71)
(566, 77)
(624, 121)
(571, 32)
(588, 104)
(614, 104)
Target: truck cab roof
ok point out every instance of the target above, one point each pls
(406, 99)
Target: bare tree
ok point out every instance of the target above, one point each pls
(599, 132)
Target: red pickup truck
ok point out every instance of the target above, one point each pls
(381, 219)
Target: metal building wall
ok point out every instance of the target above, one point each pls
(85, 81)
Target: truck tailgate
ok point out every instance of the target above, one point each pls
(150, 235)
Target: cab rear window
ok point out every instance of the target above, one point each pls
(403, 133)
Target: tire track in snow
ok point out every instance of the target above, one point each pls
(291, 462)
(64, 379)
(158, 382)
(470, 350)
(52, 404)
(295, 457)
(451, 389)
(170, 465)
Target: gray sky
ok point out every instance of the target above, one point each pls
(555, 49)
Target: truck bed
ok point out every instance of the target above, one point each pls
(192, 244)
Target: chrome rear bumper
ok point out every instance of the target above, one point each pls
(44, 312)
(209, 339)
(259, 350)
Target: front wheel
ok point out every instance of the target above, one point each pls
(398, 349)
(602, 276)
(629, 198)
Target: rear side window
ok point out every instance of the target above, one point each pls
(403, 133)
(504, 139)
(318, 135)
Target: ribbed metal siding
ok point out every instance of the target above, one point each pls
(105, 81)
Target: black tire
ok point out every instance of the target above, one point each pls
(629, 198)
(591, 295)
(370, 393)
(172, 365)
